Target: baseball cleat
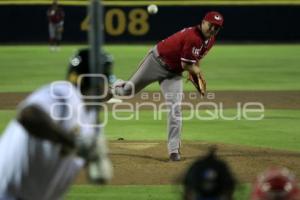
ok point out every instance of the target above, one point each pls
(117, 84)
(174, 157)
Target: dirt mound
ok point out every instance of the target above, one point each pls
(146, 162)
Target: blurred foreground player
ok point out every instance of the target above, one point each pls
(276, 184)
(209, 178)
(52, 137)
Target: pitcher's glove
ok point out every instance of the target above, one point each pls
(199, 82)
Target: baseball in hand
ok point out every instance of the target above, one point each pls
(152, 9)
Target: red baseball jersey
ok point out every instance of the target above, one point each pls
(55, 15)
(187, 45)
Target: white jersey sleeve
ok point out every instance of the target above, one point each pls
(60, 100)
(38, 171)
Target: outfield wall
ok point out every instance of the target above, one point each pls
(131, 23)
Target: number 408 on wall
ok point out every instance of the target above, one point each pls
(117, 22)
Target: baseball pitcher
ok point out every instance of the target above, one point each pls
(166, 62)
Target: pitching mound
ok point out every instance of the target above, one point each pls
(146, 162)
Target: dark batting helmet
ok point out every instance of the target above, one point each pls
(79, 64)
(209, 178)
(276, 184)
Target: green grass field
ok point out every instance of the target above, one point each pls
(137, 192)
(227, 67)
(124, 192)
(277, 130)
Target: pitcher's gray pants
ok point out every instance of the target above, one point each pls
(153, 69)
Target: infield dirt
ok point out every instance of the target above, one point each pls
(146, 162)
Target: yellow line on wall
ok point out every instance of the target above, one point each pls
(159, 3)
